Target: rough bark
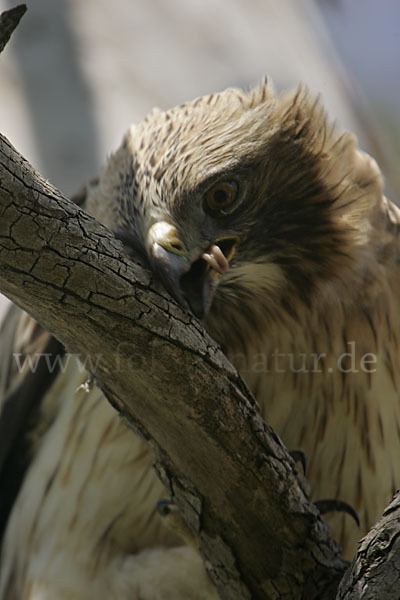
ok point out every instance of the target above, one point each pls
(375, 571)
(234, 482)
(228, 472)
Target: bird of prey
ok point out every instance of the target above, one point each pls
(271, 227)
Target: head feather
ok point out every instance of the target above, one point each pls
(309, 196)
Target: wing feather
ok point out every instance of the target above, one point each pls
(26, 352)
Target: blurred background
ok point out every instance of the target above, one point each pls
(77, 73)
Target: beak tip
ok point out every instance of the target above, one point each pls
(192, 284)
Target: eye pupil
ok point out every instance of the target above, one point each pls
(220, 198)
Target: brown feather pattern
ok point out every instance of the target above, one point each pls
(308, 311)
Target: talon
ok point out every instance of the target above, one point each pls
(300, 457)
(325, 506)
(173, 519)
(164, 507)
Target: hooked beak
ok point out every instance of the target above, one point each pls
(191, 283)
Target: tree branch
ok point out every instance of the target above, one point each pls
(228, 472)
(375, 571)
(9, 20)
(234, 482)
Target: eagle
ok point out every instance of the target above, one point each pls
(271, 227)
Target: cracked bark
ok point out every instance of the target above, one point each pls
(375, 571)
(233, 480)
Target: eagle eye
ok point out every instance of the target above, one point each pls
(221, 197)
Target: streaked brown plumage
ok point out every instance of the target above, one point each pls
(308, 311)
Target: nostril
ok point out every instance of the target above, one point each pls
(166, 235)
(176, 247)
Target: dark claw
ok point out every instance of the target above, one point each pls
(163, 507)
(300, 457)
(325, 506)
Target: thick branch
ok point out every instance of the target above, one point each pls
(375, 571)
(227, 470)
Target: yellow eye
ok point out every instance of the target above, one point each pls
(221, 197)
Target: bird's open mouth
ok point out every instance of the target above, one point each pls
(191, 283)
(198, 284)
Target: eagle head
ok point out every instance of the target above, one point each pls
(241, 202)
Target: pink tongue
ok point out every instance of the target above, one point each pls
(215, 258)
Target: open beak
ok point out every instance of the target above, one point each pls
(191, 283)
